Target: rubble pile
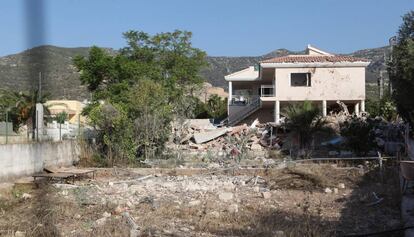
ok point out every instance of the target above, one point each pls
(202, 135)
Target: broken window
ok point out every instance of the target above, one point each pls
(300, 79)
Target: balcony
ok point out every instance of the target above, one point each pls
(267, 90)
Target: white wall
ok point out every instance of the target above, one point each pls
(17, 160)
(342, 83)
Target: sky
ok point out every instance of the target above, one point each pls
(220, 27)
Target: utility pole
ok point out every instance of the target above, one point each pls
(39, 95)
(392, 41)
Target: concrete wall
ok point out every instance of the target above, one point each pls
(17, 160)
(342, 83)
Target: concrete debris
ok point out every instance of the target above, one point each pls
(226, 196)
(203, 137)
(266, 195)
(328, 190)
(198, 136)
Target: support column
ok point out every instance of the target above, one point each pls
(230, 97)
(356, 110)
(362, 105)
(324, 109)
(277, 112)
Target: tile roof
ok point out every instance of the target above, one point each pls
(313, 59)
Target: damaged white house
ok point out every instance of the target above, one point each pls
(324, 79)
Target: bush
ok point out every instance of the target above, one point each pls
(359, 136)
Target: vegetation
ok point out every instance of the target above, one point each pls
(21, 107)
(359, 136)
(401, 69)
(60, 119)
(384, 108)
(304, 121)
(138, 92)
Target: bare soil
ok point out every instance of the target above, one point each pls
(302, 200)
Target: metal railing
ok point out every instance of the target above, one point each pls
(267, 90)
(249, 109)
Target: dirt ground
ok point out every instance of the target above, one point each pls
(300, 200)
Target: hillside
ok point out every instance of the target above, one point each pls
(21, 71)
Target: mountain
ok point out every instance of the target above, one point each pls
(20, 72)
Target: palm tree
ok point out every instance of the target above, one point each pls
(304, 121)
(26, 107)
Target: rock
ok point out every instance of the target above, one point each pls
(256, 147)
(335, 190)
(266, 195)
(100, 222)
(328, 190)
(256, 189)
(184, 229)
(19, 234)
(26, 196)
(278, 233)
(233, 208)
(341, 185)
(226, 196)
(106, 214)
(215, 214)
(194, 203)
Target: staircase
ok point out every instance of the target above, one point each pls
(247, 111)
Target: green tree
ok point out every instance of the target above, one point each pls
(401, 69)
(147, 85)
(216, 107)
(60, 119)
(359, 136)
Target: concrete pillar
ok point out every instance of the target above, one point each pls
(230, 98)
(277, 112)
(356, 110)
(362, 105)
(230, 92)
(324, 109)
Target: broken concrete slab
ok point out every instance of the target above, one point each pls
(203, 137)
(200, 124)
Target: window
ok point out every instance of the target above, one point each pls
(300, 79)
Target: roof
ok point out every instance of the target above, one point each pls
(314, 59)
(248, 74)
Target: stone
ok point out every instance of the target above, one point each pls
(256, 189)
(215, 214)
(266, 195)
(233, 208)
(26, 196)
(341, 185)
(226, 196)
(328, 190)
(19, 234)
(256, 147)
(184, 229)
(194, 203)
(278, 233)
(100, 222)
(335, 190)
(106, 214)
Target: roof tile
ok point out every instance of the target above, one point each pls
(313, 59)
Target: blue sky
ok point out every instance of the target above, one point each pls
(220, 27)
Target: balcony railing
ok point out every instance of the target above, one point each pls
(267, 90)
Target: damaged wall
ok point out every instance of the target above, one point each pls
(17, 160)
(341, 83)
